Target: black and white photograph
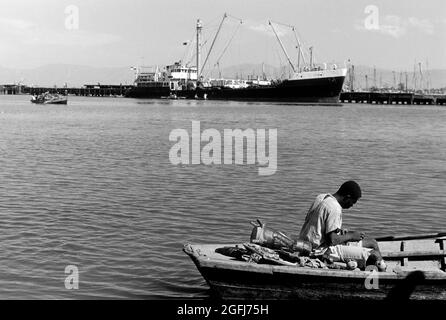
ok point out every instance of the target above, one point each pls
(225, 159)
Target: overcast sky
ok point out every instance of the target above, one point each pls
(117, 33)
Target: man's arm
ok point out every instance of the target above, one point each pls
(335, 237)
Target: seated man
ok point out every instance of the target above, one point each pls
(323, 229)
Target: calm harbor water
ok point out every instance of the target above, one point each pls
(91, 185)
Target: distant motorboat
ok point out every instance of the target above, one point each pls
(47, 98)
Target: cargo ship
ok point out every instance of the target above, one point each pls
(307, 83)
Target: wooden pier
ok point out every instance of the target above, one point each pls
(12, 89)
(87, 90)
(92, 90)
(391, 98)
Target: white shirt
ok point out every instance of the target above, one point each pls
(324, 216)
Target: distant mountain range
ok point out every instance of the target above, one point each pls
(76, 76)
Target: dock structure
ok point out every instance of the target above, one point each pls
(89, 90)
(441, 100)
(391, 98)
(108, 90)
(12, 89)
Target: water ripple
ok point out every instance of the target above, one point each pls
(91, 185)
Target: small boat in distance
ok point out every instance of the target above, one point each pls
(48, 98)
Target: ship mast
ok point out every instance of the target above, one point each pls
(198, 48)
(421, 77)
(374, 77)
(283, 48)
(311, 57)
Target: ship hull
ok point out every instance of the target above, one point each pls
(324, 90)
(319, 90)
(148, 92)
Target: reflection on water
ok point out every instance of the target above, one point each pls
(90, 184)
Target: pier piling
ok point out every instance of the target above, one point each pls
(402, 98)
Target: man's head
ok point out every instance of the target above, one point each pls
(348, 194)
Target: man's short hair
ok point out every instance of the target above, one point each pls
(350, 188)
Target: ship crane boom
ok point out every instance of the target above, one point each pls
(227, 46)
(226, 15)
(283, 48)
(299, 45)
(212, 45)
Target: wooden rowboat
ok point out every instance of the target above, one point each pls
(415, 270)
(47, 98)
